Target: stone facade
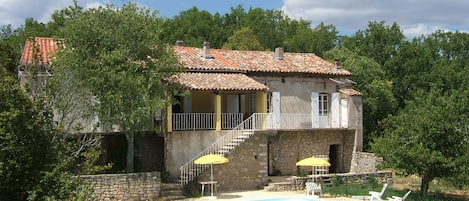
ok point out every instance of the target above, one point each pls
(247, 168)
(129, 187)
(288, 147)
(269, 152)
(365, 162)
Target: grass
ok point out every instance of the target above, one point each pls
(398, 188)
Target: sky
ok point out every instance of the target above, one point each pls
(415, 17)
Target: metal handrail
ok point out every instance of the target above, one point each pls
(225, 144)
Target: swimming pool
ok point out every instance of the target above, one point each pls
(289, 199)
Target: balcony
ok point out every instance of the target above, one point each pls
(206, 121)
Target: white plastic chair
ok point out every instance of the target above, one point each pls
(312, 188)
(377, 195)
(396, 198)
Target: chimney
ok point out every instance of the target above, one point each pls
(206, 53)
(278, 54)
(179, 43)
(337, 64)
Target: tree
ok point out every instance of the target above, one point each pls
(26, 132)
(244, 39)
(379, 42)
(8, 57)
(378, 99)
(194, 27)
(122, 66)
(428, 137)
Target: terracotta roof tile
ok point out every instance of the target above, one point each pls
(219, 81)
(350, 92)
(46, 47)
(257, 61)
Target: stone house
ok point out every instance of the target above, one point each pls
(263, 110)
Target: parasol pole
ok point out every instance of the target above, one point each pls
(211, 178)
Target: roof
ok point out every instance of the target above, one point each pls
(257, 61)
(232, 63)
(218, 81)
(350, 92)
(46, 47)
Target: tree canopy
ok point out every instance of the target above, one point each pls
(26, 133)
(122, 66)
(429, 137)
(244, 39)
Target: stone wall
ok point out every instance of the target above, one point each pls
(247, 168)
(288, 147)
(130, 187)
(182, 146)
(363, 162)
(298, 183)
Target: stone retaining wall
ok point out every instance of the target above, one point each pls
(363, 162)
(129, 187)
(298, 183)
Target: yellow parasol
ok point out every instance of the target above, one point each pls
(313, 161)
(211, 159)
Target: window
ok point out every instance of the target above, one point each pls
(323, 106)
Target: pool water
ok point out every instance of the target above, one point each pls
(289, 199)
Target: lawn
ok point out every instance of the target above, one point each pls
(400, 186)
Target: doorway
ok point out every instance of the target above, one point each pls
(334, 158)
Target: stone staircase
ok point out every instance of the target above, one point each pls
(223, 146)
(171, 191)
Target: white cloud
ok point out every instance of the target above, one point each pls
(417, 16)
(420, 29)
(14, 12)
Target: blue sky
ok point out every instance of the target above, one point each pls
(221, 6)
(415, 17)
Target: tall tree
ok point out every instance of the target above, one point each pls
(8, 59)
(244, 39)
(379, 42)
(429, 137)
(301, 38)
(193, 27)
(122, 66)
(26, 133)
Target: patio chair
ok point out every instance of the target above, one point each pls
(396, 198)
(312, 188)
(377, 195)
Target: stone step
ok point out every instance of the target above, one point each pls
(167, 193)
(171, 191)
(170, 186)
(172, 198)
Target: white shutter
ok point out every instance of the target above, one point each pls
(315, 110)
(344, 113)
(276, 109)
(335, 110)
